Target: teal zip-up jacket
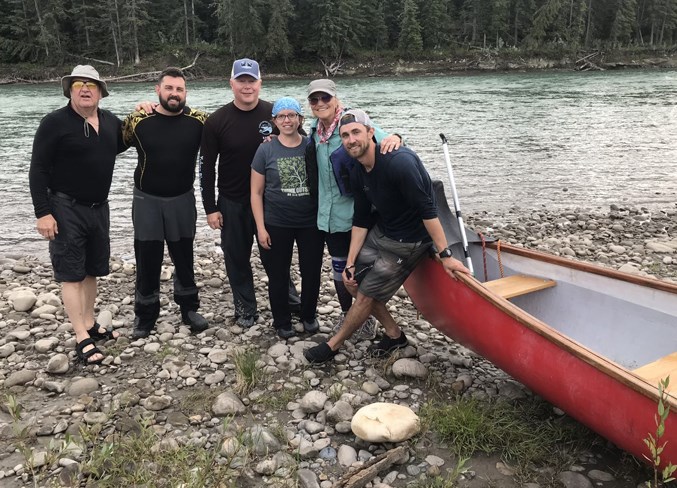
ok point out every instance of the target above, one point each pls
(334, 211)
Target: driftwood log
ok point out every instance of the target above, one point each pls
(359, 477)
(150, 75)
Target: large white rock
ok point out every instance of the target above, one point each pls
(22, 300)
(48, 299)
(385, 422)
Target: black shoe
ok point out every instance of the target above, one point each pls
(245, 322)
(196, 321)
(285, 332)
(319, 354)
(387, 345)
(142, 330)
(312, 326)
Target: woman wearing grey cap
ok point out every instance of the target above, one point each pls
(327, 161)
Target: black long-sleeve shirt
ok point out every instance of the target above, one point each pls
(400, 189)
(231, 135)
(70, 159)
(167, 146)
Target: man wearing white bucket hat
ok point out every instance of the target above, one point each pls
(70, 176)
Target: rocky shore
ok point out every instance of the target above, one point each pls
(292, 427)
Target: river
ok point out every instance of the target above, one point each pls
(527, 140)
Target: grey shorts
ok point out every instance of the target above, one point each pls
(82, 246)
(384, 264)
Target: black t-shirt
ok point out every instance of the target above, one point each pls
(167, 146)
(231, 135)
(70, 159)
(400, 189)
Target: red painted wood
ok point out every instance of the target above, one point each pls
(595, 391)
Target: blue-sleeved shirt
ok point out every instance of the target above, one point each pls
(400, 189)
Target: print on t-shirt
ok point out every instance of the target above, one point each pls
(292, 173)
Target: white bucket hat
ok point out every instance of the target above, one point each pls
(83, 71)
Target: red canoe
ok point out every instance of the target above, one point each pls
(592, 341)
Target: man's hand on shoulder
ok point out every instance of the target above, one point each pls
(47, 227)
(146, 106)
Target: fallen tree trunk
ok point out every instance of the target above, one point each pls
(359, 477)
(150, 74)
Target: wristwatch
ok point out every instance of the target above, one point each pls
(445, 253)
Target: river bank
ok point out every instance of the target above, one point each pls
(208, 67)
(292, 427)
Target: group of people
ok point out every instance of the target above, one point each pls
(347, 183)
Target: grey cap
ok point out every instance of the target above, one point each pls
(322, 85)
(355, 116)
(83, 71)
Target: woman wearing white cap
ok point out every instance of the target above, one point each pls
(329, 183)
(285, 213)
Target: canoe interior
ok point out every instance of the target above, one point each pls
(629, 324)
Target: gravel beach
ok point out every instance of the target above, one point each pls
(297, 419)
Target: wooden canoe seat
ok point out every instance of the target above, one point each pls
(659, 369)
(516, 285)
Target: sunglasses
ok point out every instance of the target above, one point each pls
(355, 275)
(316, 99)
(91, 85)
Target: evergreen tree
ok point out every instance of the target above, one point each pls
(375, 37)
(410, 29)
(437, 22)
(624, 21)
(277, 38)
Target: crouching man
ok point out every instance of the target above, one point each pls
(398, 186)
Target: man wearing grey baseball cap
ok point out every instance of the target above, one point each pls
(70, 176)
(380, 259)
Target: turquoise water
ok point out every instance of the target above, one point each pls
(516, 140)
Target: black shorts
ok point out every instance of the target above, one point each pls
(384, 264)
(82, 246)
(338, 243)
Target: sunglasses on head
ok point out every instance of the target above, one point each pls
(314, 100)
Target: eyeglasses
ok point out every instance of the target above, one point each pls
(91, 85)
(324, 98)
(291, 117)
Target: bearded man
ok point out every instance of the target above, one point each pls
(167, 140)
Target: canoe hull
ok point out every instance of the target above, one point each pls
(597, 392)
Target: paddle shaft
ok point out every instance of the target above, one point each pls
(457, 205)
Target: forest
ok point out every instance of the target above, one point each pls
(280, 33)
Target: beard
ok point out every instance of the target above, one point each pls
(175, 108)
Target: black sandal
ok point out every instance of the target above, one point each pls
(96, 334)
(83, 356)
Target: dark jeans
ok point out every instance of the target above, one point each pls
(277, 262)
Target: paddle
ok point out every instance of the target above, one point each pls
(457, 205)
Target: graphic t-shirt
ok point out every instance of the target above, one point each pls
(286, 197)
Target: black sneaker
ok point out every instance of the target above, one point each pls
(319, 354)
(285, 332)
(196, 321)
(142, 330)
(387, 345)
(311, 326)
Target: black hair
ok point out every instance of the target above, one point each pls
(171, 71)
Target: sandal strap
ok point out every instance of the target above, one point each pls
(85, 355)
(96, 334)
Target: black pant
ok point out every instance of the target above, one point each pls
(277, 263)
(156, 220)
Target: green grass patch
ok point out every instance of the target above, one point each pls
(143, 460)
(247, 374)
(198, 401)
(525, 434)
